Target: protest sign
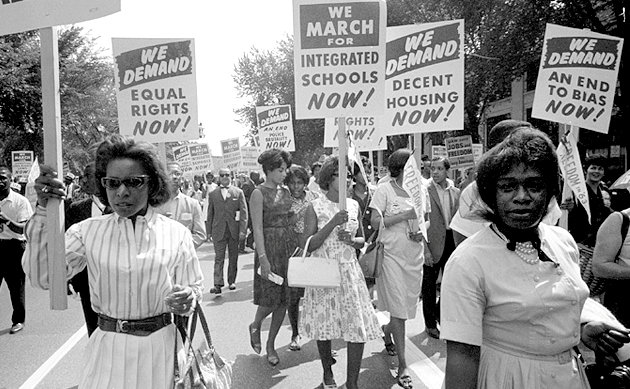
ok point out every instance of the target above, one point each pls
(477, 149)
(156, 89)
(339, 58)
(249, 159)
(412, 184)
(571, 168)
(200, 158)
(424, 87)
(21, 162)
(181, 155)
(275, 128)
(231, 153)
(459, 151)
(363, 131)
(19, 16)
(577, 77)
(438, 151)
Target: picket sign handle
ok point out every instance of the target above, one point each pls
(343, 156)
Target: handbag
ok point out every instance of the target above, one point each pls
(371, 261)
(313, 272)
(204, 368)
(597, 285)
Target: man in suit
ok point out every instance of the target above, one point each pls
(77, 212)
(184, 208)
(248, 188)
(227, 221)
(444, 197)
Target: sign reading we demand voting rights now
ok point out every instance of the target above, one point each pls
(577, 78)
(339, 58)
(156, 89)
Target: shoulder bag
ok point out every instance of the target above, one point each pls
(313, 272)
(371, 261)
(597, 285)
(608, 374)
(204, 368)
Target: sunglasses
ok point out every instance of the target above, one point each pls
(224, 175)
(135, 182)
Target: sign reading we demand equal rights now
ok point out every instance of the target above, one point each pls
(156, 89)
(577, 78)
(339, 59)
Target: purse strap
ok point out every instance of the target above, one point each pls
(381, 226)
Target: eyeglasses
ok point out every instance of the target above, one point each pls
(224, 174)
(135, 182)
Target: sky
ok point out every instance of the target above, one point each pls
(223, 31)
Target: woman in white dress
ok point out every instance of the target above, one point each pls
(344, 312)
(142, 267)
(512, 295)
(398, 286)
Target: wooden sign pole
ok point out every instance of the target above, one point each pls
(57, 273)
(343, 157)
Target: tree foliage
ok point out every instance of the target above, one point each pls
(265, 77)
(88, 103)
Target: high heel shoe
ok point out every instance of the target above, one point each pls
(273, 359)
(254, 338)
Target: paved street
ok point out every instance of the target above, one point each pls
(48, 353)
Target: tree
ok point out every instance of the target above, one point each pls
(88, 104)
(265, 77)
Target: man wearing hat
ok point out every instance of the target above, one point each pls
(68, 179)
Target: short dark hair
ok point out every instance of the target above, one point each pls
(329, 169)
(425, 158)
(447, 163)
(272, 159)
(298, 172)
(504, 128)
(527, 146)
(396, 162)
(596, 160)
(123, 147)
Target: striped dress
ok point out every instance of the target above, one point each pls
(131, 271)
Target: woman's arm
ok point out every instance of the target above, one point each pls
(256, 204)
(310, 227)
(462, 365)
(605, 254)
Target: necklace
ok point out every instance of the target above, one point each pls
(524, 250)
(396, 183)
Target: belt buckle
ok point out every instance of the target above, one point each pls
(121, 325)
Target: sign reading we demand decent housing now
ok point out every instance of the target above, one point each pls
(156, 89)
(577, 78)
(339, 58)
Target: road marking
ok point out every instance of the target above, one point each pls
(427, 371)
(47, 366)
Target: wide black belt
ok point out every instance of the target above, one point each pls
(142, 327)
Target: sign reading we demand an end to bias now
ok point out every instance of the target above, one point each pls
(339, 59)
(424, 88)
(156, 89)
(577, 78)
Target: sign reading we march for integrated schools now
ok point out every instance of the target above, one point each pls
(424, 88)
(577, 77)
(339, 58)
(231, 150)
(275, 128)
(156, 89)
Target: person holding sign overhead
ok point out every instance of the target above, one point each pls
(143, 267)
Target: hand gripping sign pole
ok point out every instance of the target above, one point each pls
(52, 155)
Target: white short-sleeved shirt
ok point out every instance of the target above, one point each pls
(490, 296)
(17, 208)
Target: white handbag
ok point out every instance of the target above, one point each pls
(313, 272)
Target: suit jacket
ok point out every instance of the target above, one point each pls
(78, 211)
(222, 213)
(437, 228)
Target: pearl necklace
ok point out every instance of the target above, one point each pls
(524, 250)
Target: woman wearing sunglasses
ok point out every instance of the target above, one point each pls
(142, 266)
